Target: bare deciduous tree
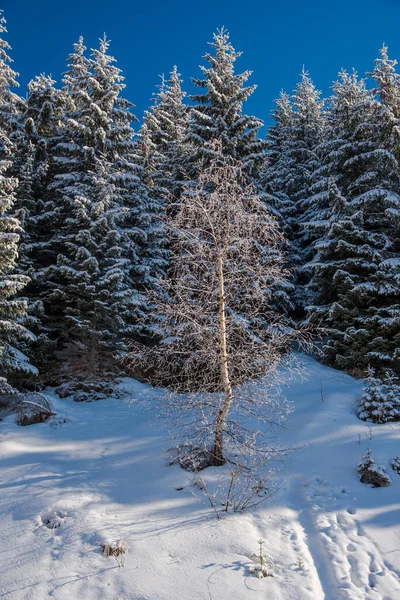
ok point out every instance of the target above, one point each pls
(214, 313)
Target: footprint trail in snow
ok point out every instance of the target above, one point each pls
(346, 561)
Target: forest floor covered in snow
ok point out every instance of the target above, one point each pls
(102, 475)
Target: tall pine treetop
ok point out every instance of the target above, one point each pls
(8, 77)
(164, 130)
(167, 118)
(77, 63)
(113, 117)
(217, 113)
(308, 110)
(388, 80)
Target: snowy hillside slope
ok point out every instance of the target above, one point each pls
(103, 473)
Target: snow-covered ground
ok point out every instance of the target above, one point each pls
(103, 472)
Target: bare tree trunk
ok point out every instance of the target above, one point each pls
(217, 452)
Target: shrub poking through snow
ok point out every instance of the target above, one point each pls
(33, 408)
(118, 550)
(263, 563)
(395, 464)
(380, 401)
(53, 519)
(238, 487)
(372, 473)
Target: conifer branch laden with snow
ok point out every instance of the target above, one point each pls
(214, 313)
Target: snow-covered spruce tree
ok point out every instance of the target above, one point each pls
(380, 400)
(356, 270)
(308, 132)
(141, 228)
(293, 159)
(95, 279)
(299, 160)
(275, 180)
(35, 203)
(214, 313)
(162, 153)
(104, 253)
(299, 127)
(371, 473)
(388, 90)
(41, 122)
(69, 193)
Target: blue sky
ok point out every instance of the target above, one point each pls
(277, 38)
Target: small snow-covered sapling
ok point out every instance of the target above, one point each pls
(263, 566)
(372, 473)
